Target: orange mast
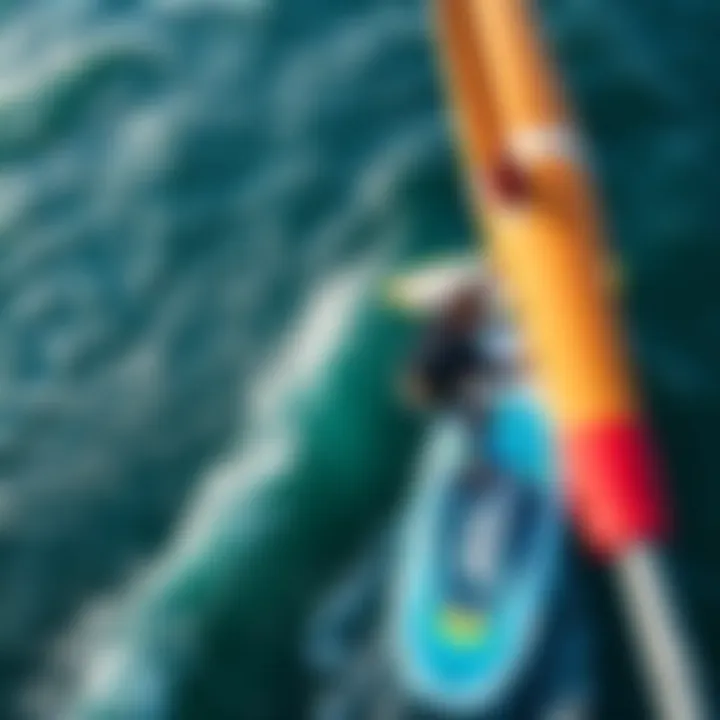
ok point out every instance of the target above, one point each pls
(545, 237)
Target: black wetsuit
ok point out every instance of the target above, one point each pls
(445, 360)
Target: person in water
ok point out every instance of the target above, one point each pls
(456, 369)
(450, 369)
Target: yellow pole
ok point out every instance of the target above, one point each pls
(546, 240)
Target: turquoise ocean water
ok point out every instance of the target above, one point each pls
(199, 200)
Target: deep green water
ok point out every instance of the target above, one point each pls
(186, 449)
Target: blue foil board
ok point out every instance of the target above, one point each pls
(463, 646)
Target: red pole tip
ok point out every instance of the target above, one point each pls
(615, 487)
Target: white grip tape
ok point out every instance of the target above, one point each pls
(544, 143)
